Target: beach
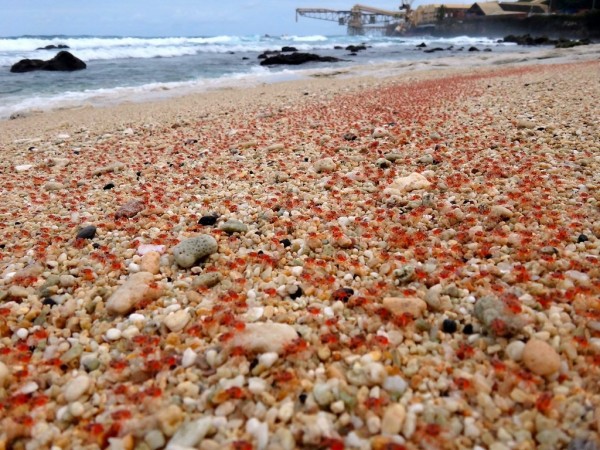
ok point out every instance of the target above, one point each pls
(383, 257)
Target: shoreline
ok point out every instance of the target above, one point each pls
(306, 78)
(388, 261)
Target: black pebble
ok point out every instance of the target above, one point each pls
(449, 326)
(96, 245)
(582, 238)
(48, 301)
(297, 294)
(108, 186)
(208, 220)
(286, 242)
(468, 329)
(302, 397)
(87, 232)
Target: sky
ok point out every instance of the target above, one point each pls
(170, 17)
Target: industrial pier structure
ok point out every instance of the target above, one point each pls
(361, 19)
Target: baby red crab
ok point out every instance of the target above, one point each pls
(342, 294)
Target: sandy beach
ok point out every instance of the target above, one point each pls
(388, 257)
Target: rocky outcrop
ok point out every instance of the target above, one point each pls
(289, 49)
(527, 39)
(53, 47)
(63, 61)
(296, 59)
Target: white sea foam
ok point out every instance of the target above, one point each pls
(146, 92)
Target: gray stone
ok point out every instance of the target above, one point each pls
(189, 251)
(234, 226)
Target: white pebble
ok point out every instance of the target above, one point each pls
(136, 317)
(297, 270)
(514, 350)
(268, 359)
(260, 431)
(189, 357)
(29, 388)
(22, 333)
(395, 384)
(76, 409)
(76, 387)
(113, 334)
(256, 385)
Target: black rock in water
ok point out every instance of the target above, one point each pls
(435, 49)
(473, 49)
(295, 59)
(289, 49)
(63, 61)
(27, 65)
(87, 232)
(53, 47)
(422, 45)
(356, 48)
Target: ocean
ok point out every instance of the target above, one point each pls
(121, 68)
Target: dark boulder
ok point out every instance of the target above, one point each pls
(53, 47)
(268, 53)
(289, 49)
(63, 61)
(432, 50)
(338, 47)
(296, 59)
(473, 49)
(356, 48)
(422, 45)
(27, 65)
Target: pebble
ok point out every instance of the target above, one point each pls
(155, 439)
(23, 167)
(177, 320)
(412, 182)
(4, 374)
(189, 251)
(501, 212)
(113, 334)
(147, 248)
(265, 337)
(449, 326)
(393, 419)
(150, 262)
(76, 387)
(395, 384)
(208, 220)
(234, 226)
(325, 165)
(540, 358)
(129, 209)
(401, 305)
(514, 350)
(88, 232)
(190, 434)
(138, 287)
(208, 280)
(189, 358)
(268, 359)
(53, 186)
(114, 167)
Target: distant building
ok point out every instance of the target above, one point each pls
(532, 7)
(431, 14)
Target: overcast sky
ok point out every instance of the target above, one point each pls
(170, 17)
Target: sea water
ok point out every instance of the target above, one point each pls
(121, 68)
